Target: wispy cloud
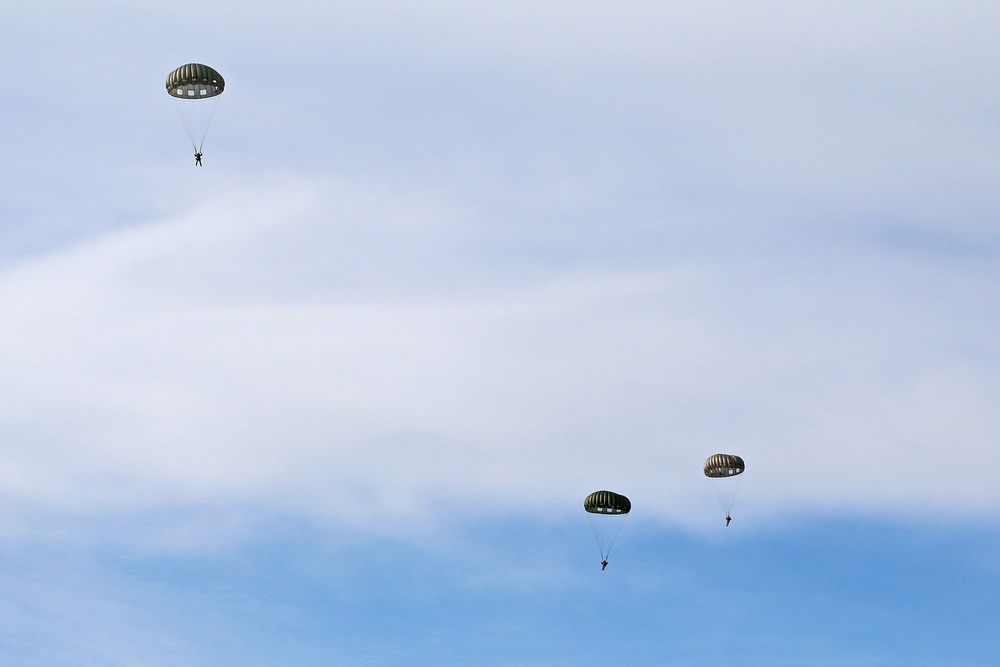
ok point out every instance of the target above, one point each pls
(315, 346)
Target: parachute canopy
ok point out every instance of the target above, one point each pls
(195, 89)
(607, 511)
(195, 82)
(607, 502)
(724, 465)
(721, 467)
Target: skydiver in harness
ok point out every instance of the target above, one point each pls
(604, 564)
(728, 519)
(197, 159)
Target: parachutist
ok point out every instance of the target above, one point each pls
(196, 88)
(607, 511)
(719, 467)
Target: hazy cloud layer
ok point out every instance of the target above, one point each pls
(278, 347)
(497, 255)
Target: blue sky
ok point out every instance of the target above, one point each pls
(337, 396)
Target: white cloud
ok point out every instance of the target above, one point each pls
(277, 348)
(603, 245)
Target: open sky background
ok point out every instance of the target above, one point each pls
(336, 397)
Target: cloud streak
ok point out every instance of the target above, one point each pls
(280, 348)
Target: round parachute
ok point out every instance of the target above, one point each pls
(607, 511)
(195, 89)
(607, 502)
(195, 82)
(724, 465)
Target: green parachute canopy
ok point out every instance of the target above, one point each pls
(607, 502)
(195, 82)
(724, 465)
(720, 468)
(195, 89)
(607, 511)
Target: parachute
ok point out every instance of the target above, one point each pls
(607, 511)
(196, 89)
(720, 468)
